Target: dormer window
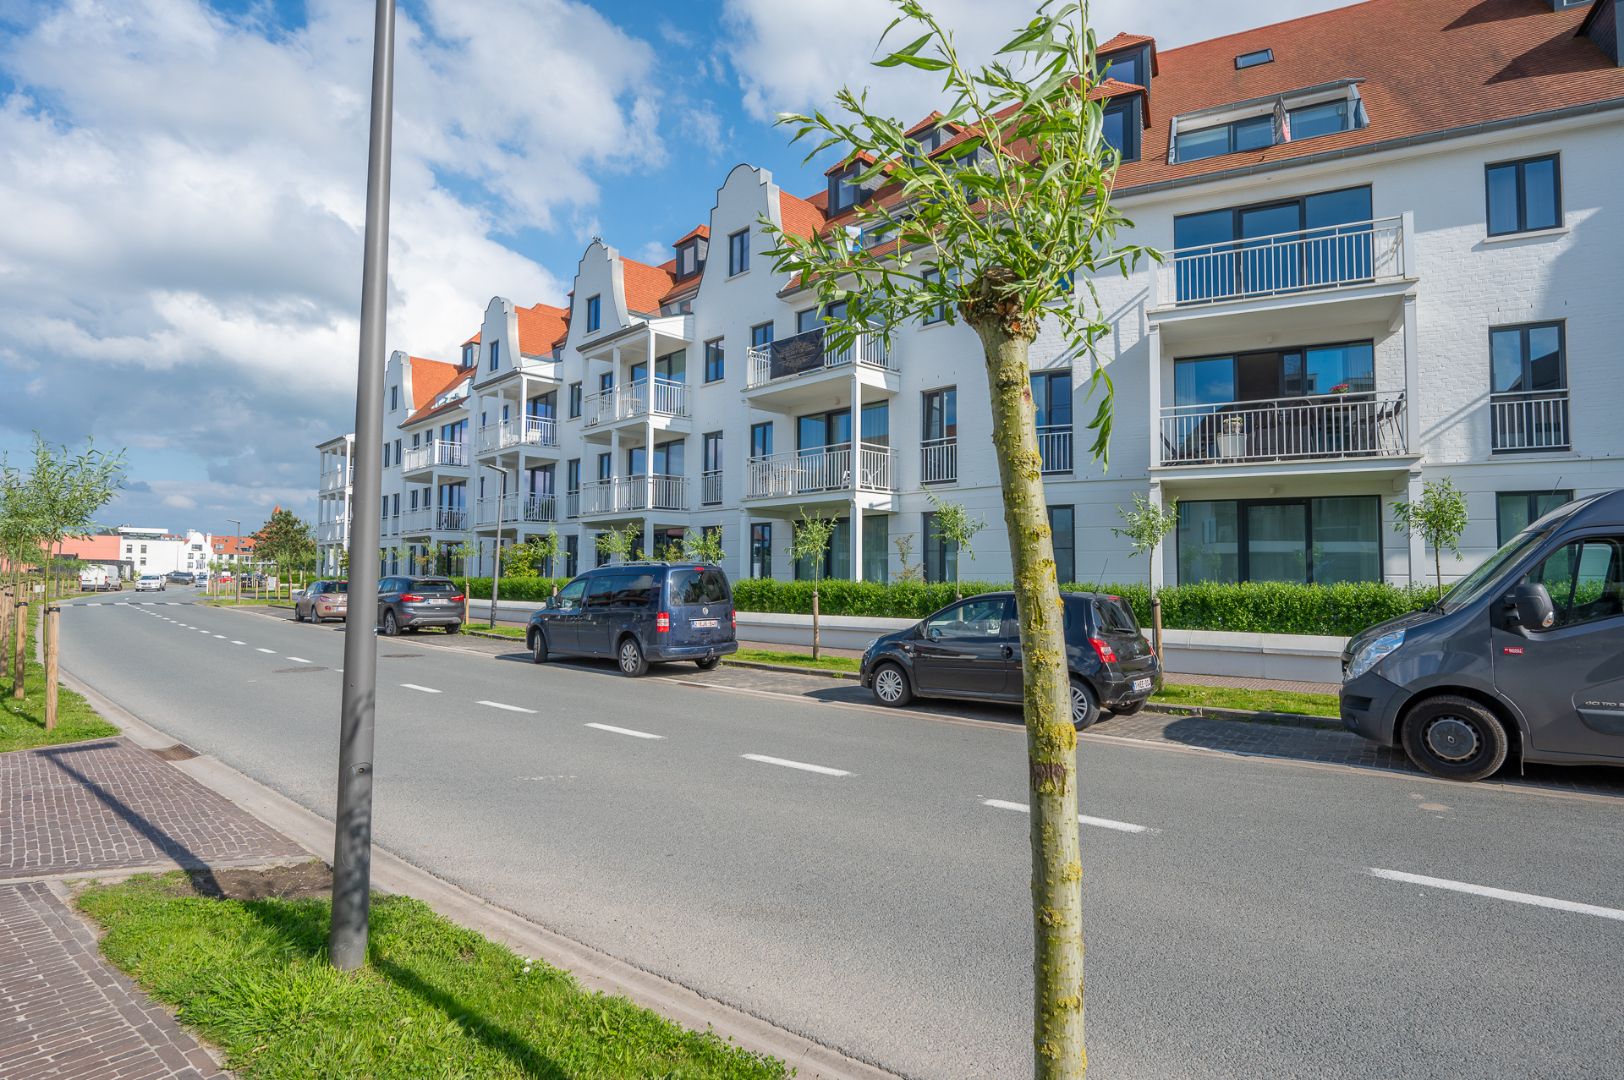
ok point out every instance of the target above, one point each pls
(1129, 66)
(844, 190)
(1123, 119)
(691, 257)
(470, 354)
(1259, 124)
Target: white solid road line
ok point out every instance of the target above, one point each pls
(499, 705)
(625, 731)
(803, 766)
(1082, 819)
(234, 642)
(414, 686)
(298, 659)
(1501, 894)
(222, 637)
(265, 650)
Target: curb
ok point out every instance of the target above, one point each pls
(761, 665)
(600, 971)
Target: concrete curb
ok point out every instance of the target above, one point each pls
(593, 969)
(761, 665)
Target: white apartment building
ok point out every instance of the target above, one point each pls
(334, 493)
(1392, 252)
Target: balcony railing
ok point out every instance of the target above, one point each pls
(808, 351)
(630, 494)
(1369, 424)
(334, 479)
(427, 519)
(332, 532)
(710, 490)
(665, 397)
(436, 453)
(1334, 256)
(939, 460)
(572, 504)
(521, 508)
(818, 471)
(1529, 420)
(1054, 444)
(527, 431)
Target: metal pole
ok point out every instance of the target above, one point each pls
(352, 843)
(236, 576)
(496, 577)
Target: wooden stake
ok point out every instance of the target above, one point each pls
(6, 601)
(19, 665)
(53, 626)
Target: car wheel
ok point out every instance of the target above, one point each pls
(1128, 709)
(1085, 705)
(1455, 738)
(630, 658)
(391, 626)
(891, 686)
(538, 647)
(454, 628)
(708, 664)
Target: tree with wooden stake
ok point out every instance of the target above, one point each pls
(952, 524)
(66, 489)
(621, 543)
(1145, 527)
(810, 542)
(1004, 227)
(703, 546)
(1438, 517)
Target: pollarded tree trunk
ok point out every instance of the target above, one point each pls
(1051, 740)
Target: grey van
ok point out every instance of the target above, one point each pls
(639, 614)
(1525, 654)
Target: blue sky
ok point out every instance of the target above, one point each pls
(180, 260)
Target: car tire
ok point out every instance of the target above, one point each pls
(629, 657)
(708, 664)
(1128, 709)
(538, 647)
(1085, 705)
(454, 628)
(891, 686)
(1455, 738)
(391, 626)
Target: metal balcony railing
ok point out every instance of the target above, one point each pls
(711, 487)
(1359, 424)
(434, 454)
(572, 503)
(333, 532)
(939, 460)
(334, 479)
(1054, 444)
(808, 351)
(661, 397)
(1529, 420)
(1332, 257)
(521, 508)
(818, 471)
(630, 494)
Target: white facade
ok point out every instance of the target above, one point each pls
(334, 492)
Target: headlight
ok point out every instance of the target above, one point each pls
(1372, 652)
(870, 646)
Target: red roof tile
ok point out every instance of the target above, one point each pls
(473, 340)
(645, 284)
(429, 379)
(929, 121)
(444, 406)
(701, 231)
(800, 217)
(539, 327)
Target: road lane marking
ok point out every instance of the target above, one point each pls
(1531, 899)
(265, 650)
(625, 731)
(803, 766)
(222, 637)
(414, 686)
(499, 705)
(299, 660)
(235, 642)
(1082, 819)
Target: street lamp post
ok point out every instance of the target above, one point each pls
(236, 578)
(352, 835)
(496, 576)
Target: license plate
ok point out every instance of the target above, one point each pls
(435, 602)
(1141, 686)
(704, 624)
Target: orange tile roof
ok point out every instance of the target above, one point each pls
(800, 217)
(429, 379)
(473, 340)
(645, 284)
(935, 115)
(444, 406)
(539, 327)
(232, 545)
(701, 231)
(1129, 41)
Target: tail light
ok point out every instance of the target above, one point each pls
(662, 622)
(733, 617)
(1103, 648)
(410, 598)
(457, 599)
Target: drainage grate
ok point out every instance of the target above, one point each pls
(178, 752)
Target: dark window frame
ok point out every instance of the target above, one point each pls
(1069, 565)
(1521, 166)
(715, 351)
(1532, 503)
(1523, 330)
(1242, 545)
(764, 427)
(757, 339)
(575, 399)
(494, 355)
(1255, 58)
(1132, 115)
(594, 313)
(738, 252)
(761, 549)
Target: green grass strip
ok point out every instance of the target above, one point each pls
(22, 721)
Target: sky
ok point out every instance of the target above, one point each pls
(182, 193)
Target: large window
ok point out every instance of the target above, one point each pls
(1131, 66)
(761, 439)
(738, 252)
(1051, 399)
(1257, 132)
(1302, 243)
(1302, 540)
(1121, 129)
(1524, 195)
(761, 335)
(1063, 526)
(1528, 404)
(941, 554)
(942, 413)
(1514, 511)
(761, 550)
(714, 367)
(1348, 368)
(594, 313)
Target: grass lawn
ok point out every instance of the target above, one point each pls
(436, 1000)
(499, 630)
(22, 723)
(795, 659)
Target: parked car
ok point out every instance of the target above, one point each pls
(1522, 654)
(412, 603)
(149, 583)
(322, 600)
(97, 579)
(179, 577)
(639, 614)
(201, 579)
(971, 650)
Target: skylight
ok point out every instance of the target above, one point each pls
(1253, 59)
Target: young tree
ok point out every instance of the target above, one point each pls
(907, 570)
(704, 546)
(1003, 227)
(66, 489)
(1438, 517)
(1145, 527)
(621, 543)
(954, 525)
(810, 541)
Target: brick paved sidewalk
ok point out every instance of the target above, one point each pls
(74, 810)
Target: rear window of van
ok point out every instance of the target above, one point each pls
(699, 585)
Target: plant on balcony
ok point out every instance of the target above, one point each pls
(810, 542)
(1438, 517)
(1145, 527)
(1005, 227)
(622, 543)
(953, 524)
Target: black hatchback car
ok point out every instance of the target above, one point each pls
(638, 614)
(412, 603)
(972, 650)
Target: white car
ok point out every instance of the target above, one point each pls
(150, 583)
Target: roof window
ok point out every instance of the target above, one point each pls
(1254, 58)
(1266, 122)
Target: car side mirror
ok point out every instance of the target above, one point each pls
(934, 633)
(1532, 603)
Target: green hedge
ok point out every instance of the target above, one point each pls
(1265, 607)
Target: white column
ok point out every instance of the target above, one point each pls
(1412, 379)
(743, 556)
(1420, 569)
(1158, 554)
(856, 474)
(648, 452)
(1153, 371)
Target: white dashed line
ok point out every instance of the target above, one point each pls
(1531, 899)
(298, 659)
(419, 689)
(625, 731)
(803, 766)
(239, 642)
(222, 637)
(1082, 819)
(499, 705)
(265, 650)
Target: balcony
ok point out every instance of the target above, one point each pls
(516, 508)
(630, 494)
(793, 371)
(710, 488)
(432, 519)
(635, 401)
(939, 461)
(1335, 426)
(1054, 444)
(332, 532)
(1529, 421)
(336, 479)
(432, 455)
(530, 431)
(1334, 257)
(819, 472)
(572, 503)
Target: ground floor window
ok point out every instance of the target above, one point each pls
(1303, 540)
(1063, 526)
(876, 548)
(837, 560)
(761, 550)
(941, 554)
(1514, 511)
(572, 555)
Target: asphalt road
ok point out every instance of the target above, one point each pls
(1234, 925)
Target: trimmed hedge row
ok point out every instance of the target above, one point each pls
(1266, 607)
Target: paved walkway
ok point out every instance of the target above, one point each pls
(99, 806)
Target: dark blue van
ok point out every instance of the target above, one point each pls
(639, 614)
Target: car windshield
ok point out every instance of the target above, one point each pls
(1470, 587)
(433, 587)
